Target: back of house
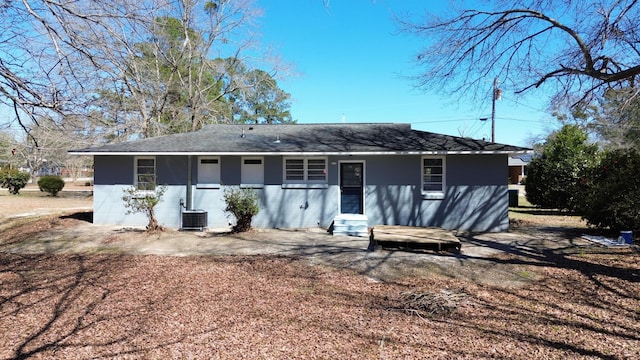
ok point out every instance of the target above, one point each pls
(310, 176)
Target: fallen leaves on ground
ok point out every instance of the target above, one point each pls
(74, 306)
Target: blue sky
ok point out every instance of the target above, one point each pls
(353, 65)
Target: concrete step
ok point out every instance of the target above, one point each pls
(351, 225)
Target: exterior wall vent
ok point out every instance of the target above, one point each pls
(194, 220)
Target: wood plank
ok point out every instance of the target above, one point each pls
(411, 236)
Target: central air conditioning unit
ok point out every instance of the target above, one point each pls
(194, 220)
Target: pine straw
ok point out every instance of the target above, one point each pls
(247, 307)
(430, 302)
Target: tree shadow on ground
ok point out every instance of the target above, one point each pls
(69, 292)
(568, 254)
(86, 216)
(77, 293)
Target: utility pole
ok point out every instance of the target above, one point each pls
(496, 95)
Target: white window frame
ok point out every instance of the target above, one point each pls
(305, 182)
(205, 183)
(433, 194)
(154, 181)
(243, 172)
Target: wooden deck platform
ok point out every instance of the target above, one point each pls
(414, 238)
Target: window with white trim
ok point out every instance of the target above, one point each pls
(433, 175)
(311, 170)
(252, 171)
(145, 173)
(208, 170)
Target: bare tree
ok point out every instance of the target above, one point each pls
(49, 62)
(177, 77)
(62, 59)
(579, 48)
(48, 155)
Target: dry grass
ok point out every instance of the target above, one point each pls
(32, 202)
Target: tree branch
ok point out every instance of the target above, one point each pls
(525, 43)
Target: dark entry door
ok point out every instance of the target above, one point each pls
(351, 188)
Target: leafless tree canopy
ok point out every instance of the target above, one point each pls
(578, 48)
(118, 65)
(44, 45)
(77, 73)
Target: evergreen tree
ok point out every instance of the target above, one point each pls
(610, 191)
(553, 176)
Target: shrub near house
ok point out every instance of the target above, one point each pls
(51, 184)
(145, 201)
(243, 204)
(13, 180)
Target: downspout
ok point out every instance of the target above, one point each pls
(189, 189)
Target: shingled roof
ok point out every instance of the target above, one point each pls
(308, 139)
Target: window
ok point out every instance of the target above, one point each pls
(252, 173)
(305, 170)
(294, 170)
(208, 171)
(316, 170)
(433, 176)
(145, 173)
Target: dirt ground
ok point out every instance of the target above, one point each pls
(70, 289)
(73, 232)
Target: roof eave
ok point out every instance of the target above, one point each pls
(300, 153)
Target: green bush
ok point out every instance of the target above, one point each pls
(51, 183)
(610, 192)
(552, 177)
(136, 201)
(243, 204)
(13, 180)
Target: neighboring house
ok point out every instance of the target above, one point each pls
(518, 167)
(310, 175)
(44, 170)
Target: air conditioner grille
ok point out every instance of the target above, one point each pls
(194, 220)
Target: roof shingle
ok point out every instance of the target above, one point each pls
(304, 138)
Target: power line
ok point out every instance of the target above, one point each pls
(523, 104)
(543, 120)
(441, 121)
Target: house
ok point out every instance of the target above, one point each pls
(310, 176)
(518, 167)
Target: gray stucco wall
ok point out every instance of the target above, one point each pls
(476, 193)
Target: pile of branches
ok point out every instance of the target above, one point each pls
(430, 303)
